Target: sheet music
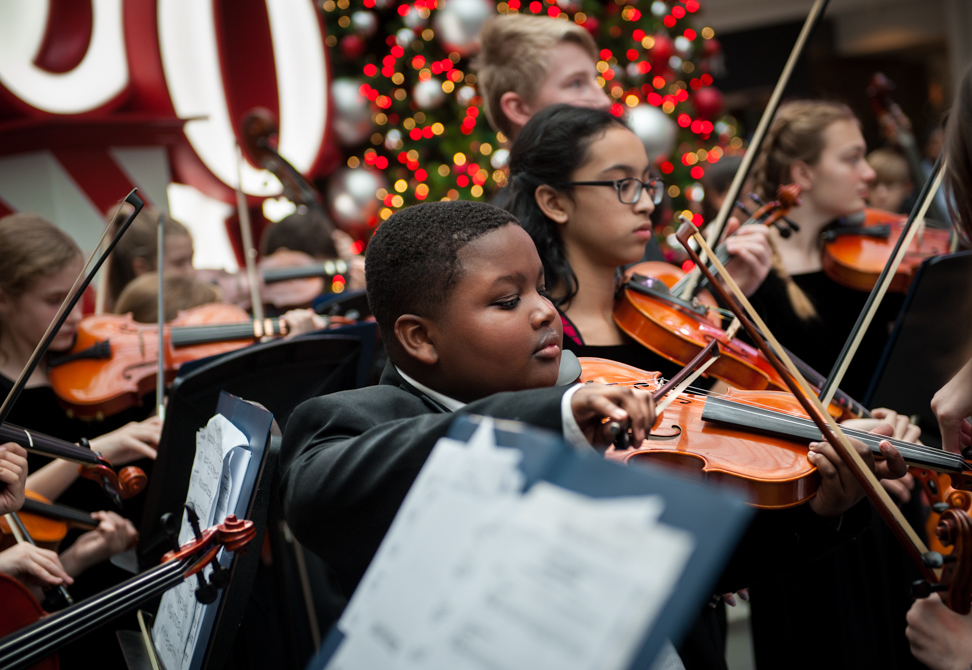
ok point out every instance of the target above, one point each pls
(221, 460)
(474, 574)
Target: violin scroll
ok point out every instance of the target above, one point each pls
(131, 481)
(955, 584)
(127, 483)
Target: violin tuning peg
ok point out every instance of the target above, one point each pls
(206, 593)
(193, 521)
(922, 589)
(170, 526)
(940, 507)
(220, 577)
(933, 560)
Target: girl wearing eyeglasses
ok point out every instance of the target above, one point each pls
(580, 185)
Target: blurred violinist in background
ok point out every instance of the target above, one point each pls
(137, 253)
(141, 299)
(892, 187)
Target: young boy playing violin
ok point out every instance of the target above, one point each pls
(458, 291)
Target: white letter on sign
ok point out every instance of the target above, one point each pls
(100, 76)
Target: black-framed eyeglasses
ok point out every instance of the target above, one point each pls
(629, 188)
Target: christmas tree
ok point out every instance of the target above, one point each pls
(409, 114)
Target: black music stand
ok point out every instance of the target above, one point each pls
(931, 341)
(264, 439)
(278, 375)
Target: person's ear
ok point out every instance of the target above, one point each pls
(141, 265)
(553, 203)
(515, 109)
(802, 175)
(414, 336)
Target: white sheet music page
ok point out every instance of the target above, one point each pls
(214, 490)
(475, 574)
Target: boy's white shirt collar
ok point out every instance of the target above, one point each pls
(572, 432)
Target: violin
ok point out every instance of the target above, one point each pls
(756, 440)
(126, 483)
(855, 254)
(648, 308)
(30, 637)
(113, 361)
(289, 279)
(46, 522)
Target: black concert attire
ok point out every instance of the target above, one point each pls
(856, 597)
(38, 409)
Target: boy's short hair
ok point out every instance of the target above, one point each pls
(890, 167)
(309, 232)
(412, 262)
(514, 57)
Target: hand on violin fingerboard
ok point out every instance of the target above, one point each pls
(751, 256)
(939, 638)
(131, 442)
(113, 535)
(300, 321)
(839, 490)
(34, 566)
(632, 409)
(13, 477)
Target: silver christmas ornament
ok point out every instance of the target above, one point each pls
(428, 94)
(654, 128)
(457, 23)
(351, 196)
(364, 24)
(352, 111)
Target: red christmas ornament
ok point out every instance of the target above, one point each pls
(661, 51)
(708, 103)
(352, 46)
(711, 48)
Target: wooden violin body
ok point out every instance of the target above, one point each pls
(679, 330)
(114, 359)
(774, 472)
(854, 256)
(769, 463)
(20, 609)
(46, 523)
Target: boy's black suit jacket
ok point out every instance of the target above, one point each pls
(349, 458)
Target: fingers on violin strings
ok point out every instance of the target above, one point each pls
(822, 457)
(893, 466)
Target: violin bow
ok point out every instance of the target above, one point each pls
(249, 251)
(72, 298)
(160, 316)
(719, 223)
(915, 222)
(797, 385)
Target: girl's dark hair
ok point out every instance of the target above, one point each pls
(958, 150)
(552, 146)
